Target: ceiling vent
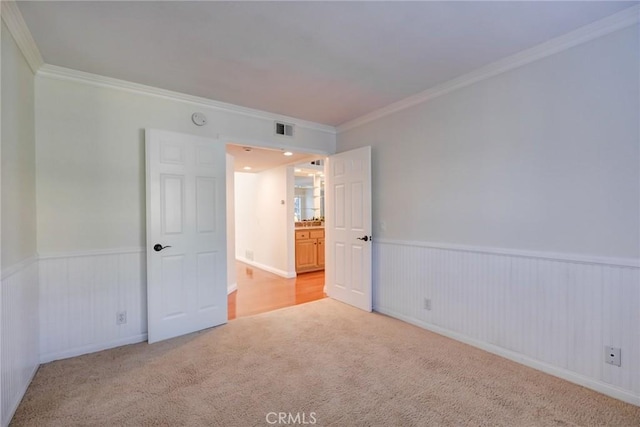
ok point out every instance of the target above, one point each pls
(284, 129)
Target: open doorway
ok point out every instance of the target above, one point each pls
(266, 217)
(308, 212)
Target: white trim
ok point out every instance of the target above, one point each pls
(87, 349)
(67, 74)
(97, 252)
(232, 288)
(582, 259)
(615, 22)
(18, 28)
(6, 418)
(16, 268)
(565, 374)
(281, 273)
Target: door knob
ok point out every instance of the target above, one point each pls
(365, 238)
(158, 247)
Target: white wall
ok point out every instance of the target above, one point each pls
(91, 202)
(543, 158)
(19, 357)
(245, 214)
(514, 205)
(264, 224)
(91, 159)
(18, 156)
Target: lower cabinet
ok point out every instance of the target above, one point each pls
(309, 250)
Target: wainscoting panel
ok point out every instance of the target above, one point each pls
(20, 353)
(552, 313)
(80, 297)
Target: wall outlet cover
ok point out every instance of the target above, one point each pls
(121, 318)
(612, 356)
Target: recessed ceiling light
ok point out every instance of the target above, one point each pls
(311, 174)
(247, 168)
(288, 153)
(297, 170)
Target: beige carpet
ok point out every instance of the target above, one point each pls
(324, 362)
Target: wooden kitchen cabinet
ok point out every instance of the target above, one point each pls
(309, 250)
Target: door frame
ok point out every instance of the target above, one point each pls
(227, 139)
(290, 197)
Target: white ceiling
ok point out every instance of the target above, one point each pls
(261, 159)
(327, 62)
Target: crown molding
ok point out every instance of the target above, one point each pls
(68, 74)
(610, 24)
(18, 28)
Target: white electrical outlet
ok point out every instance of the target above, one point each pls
(121, 317)
(612, 355)
(427, 304)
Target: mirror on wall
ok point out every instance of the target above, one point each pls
(309, 191)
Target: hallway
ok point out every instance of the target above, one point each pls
(260, 291)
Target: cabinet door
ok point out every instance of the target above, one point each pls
(306, 254)
(321, 252)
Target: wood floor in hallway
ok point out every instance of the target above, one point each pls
(260, 291)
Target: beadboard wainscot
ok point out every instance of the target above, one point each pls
(20, 353)
(552, 312)
(81, 295)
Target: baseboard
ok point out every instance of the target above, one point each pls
(281, 273)
(232, 288)
(565, 374)
(79, 351)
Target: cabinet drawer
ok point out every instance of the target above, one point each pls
(316, 234)
(300, 235)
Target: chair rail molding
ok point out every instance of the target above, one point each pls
(576, 258)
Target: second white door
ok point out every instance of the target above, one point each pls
(348, 227)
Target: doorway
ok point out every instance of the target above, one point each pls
(309, 216)
(187, 201)
(262, 201)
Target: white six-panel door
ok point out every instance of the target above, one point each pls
(186, 216)
(348, 227)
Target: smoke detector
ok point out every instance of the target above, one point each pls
(199, 119)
